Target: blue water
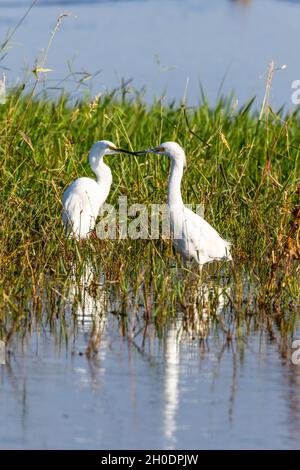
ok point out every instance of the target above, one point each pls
(173, 393)
(167, 46)
(180, 387)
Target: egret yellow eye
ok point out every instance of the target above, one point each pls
(111, 147)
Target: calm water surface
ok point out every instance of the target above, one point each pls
(161, 44)
(185, 389)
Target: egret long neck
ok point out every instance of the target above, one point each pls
(101, 170)
(174, 190)
(103, 175)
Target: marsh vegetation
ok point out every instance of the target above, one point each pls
(243, 168)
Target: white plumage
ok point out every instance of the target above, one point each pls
(83, 199)
(193, 237)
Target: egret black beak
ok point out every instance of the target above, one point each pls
(153, 150)
(125, 151)
(143, 152)
(120, 150)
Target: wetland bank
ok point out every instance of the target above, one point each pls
(116, 343)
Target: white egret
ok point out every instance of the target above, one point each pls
(193, 237)
(84, 197)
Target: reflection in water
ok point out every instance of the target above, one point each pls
(172, 365)
(88, 297)
(195, 325)
(88, 302)
(182, 386)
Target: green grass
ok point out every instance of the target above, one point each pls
(245, 171)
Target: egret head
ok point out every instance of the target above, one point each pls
(102, 148)
(171, 149)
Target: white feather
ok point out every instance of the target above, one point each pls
(83, 199)
(194, 238)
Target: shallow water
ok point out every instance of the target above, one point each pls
(160, 44)
(183, 387)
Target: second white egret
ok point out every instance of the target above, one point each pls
(193, 237)
(84, 197)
